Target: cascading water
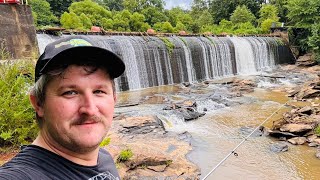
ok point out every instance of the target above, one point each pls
(149, 62)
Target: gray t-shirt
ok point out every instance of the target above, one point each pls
(36, 163)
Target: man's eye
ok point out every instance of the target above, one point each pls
(99, 92)
(68, 93)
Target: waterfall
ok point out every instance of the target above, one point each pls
(149, 62)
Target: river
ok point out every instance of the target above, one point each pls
(217, 133)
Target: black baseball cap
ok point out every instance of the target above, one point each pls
(70, 49)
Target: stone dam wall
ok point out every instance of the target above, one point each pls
(17, 32)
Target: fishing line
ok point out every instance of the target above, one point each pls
(245, 139)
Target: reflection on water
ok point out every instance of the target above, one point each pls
(218, 132)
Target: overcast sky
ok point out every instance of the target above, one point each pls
(184, 4)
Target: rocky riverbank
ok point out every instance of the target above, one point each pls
(300, 126)
(157, 153)
(160, 154)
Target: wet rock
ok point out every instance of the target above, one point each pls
(316, 141)
(306, 60)
(222, 81)
(140, 125)
(313, 145)
(279, 134)
(185, 136)
(190, 113)
(307, 93)
(186, 84)
(248, 130)
(297, 140)
(147, 160)
(318, 153)
(293, 92)
(305, 110)
(312, 137)
(296, 128)
(279, 147)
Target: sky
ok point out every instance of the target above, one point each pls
(184, 4)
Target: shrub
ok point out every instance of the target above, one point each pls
(170, 46)
(125, 155)
(317, 130)
(17, 123)
(105, 142)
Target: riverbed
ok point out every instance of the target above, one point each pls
(221, 129)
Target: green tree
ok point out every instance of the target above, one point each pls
(303, 13)
(121, 21)
(222, 9)
(137, 22)
(107, 23)
(268, 15)
(87, 24)
(173, 14)
(268, 11)
(205, 18)
(180, 27)
(58, 7)
(242, 15)
(306, 15)
(198, 7)
(71, 21)
(112, 5)
(153, 15)
(283, 10)
(164, 27)
(225, 26)
(92, 10)
(314, 40)
(42, 10)
(266, 25)
(245, 28)
(139, 5)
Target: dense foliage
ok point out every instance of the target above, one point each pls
(140, 15)
(306, 15)
(17, 115)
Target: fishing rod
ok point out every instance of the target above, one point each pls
(245, 139)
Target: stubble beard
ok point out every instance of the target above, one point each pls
(72, 143)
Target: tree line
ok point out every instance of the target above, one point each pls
(205, 16)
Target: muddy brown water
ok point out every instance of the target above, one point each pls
(218, 132)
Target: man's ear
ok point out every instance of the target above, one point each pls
(115, 98)
(36, 106)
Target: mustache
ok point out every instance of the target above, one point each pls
(84, 119)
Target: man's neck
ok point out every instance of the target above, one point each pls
(85, 159)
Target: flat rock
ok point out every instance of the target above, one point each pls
(297, 140)
(296, 128)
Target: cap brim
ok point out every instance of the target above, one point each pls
(103, 57)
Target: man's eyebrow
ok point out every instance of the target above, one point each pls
(102, 86)
(71, 86)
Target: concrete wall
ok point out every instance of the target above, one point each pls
(17, 32)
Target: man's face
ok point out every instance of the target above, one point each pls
(78, 109)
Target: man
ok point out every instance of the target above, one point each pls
(74, 97)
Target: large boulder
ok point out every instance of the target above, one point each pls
(306, 60)
(296, 128)
(156, 153)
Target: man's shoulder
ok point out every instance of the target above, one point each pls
(24, 165)
(20, 172)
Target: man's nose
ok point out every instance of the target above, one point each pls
(88, 105)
